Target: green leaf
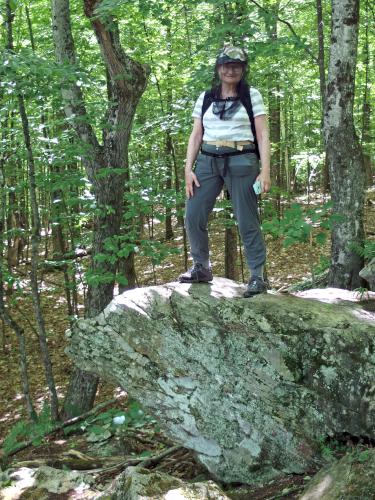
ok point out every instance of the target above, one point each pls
(321, 238)
(13, 4)
(145, 454)
(121, 280)
(95, 437)
(364, 456)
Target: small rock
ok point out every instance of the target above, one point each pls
(39, 484)
(141, 484)
(368, 273)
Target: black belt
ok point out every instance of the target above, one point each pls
(226, 155)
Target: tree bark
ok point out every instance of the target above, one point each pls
(128, 269)
(343, 151)
(322, 81)
(231, 252)
(127, 82)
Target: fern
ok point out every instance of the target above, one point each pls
(367, 251)
(16, 437)
(24, 431)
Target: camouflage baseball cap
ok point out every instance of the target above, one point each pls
(231, 54)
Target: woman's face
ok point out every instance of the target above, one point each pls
(230, 72)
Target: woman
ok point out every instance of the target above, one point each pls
(228, 155)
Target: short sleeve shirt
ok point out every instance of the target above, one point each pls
(237, 128)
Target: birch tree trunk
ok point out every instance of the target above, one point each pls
(344, 156)
(127, 83)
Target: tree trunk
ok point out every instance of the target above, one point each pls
(127, 83)
(4, 314)
(231, 252)
(35, 241)
(35, 235)
(168, 137)
(366, 108)
(274, 111)
(128, 269)
(343, 151)
(59, 242)
(322, 81)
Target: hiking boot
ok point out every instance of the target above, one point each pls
(255, 286)
(196, 274)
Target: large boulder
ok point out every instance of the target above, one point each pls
(351, 477)
(253, 386)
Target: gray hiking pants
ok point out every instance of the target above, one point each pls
(242, 171)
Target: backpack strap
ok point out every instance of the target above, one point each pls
(207, 101)
(246, 101)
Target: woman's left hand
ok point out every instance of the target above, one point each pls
(265, 181)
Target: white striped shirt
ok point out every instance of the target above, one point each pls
(237, 128)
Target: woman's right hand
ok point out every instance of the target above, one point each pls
(190, 180)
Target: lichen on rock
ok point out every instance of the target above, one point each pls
(353, 476)
(141, 484)
(251, 385)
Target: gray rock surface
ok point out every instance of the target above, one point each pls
(368, 273)
(253, 386)
(141, 484)
(352, 477)
(46, 482)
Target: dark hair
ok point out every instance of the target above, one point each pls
(242, 85)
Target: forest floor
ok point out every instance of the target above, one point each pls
(285, 266)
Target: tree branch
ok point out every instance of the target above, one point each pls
(128, 78)
(287, 23)
(65, 54)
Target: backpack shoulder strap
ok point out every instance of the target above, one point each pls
(246, 101)
(207, 100)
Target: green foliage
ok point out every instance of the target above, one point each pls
(331, 448)
(99, 276)
(108, 8)
(97, 427)
(367, 251)
(362, 293)
(24, 431)
(5, 480)
(297, 224)
(118, 247)
(324, 263)
(363, 456)
(101, 427)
